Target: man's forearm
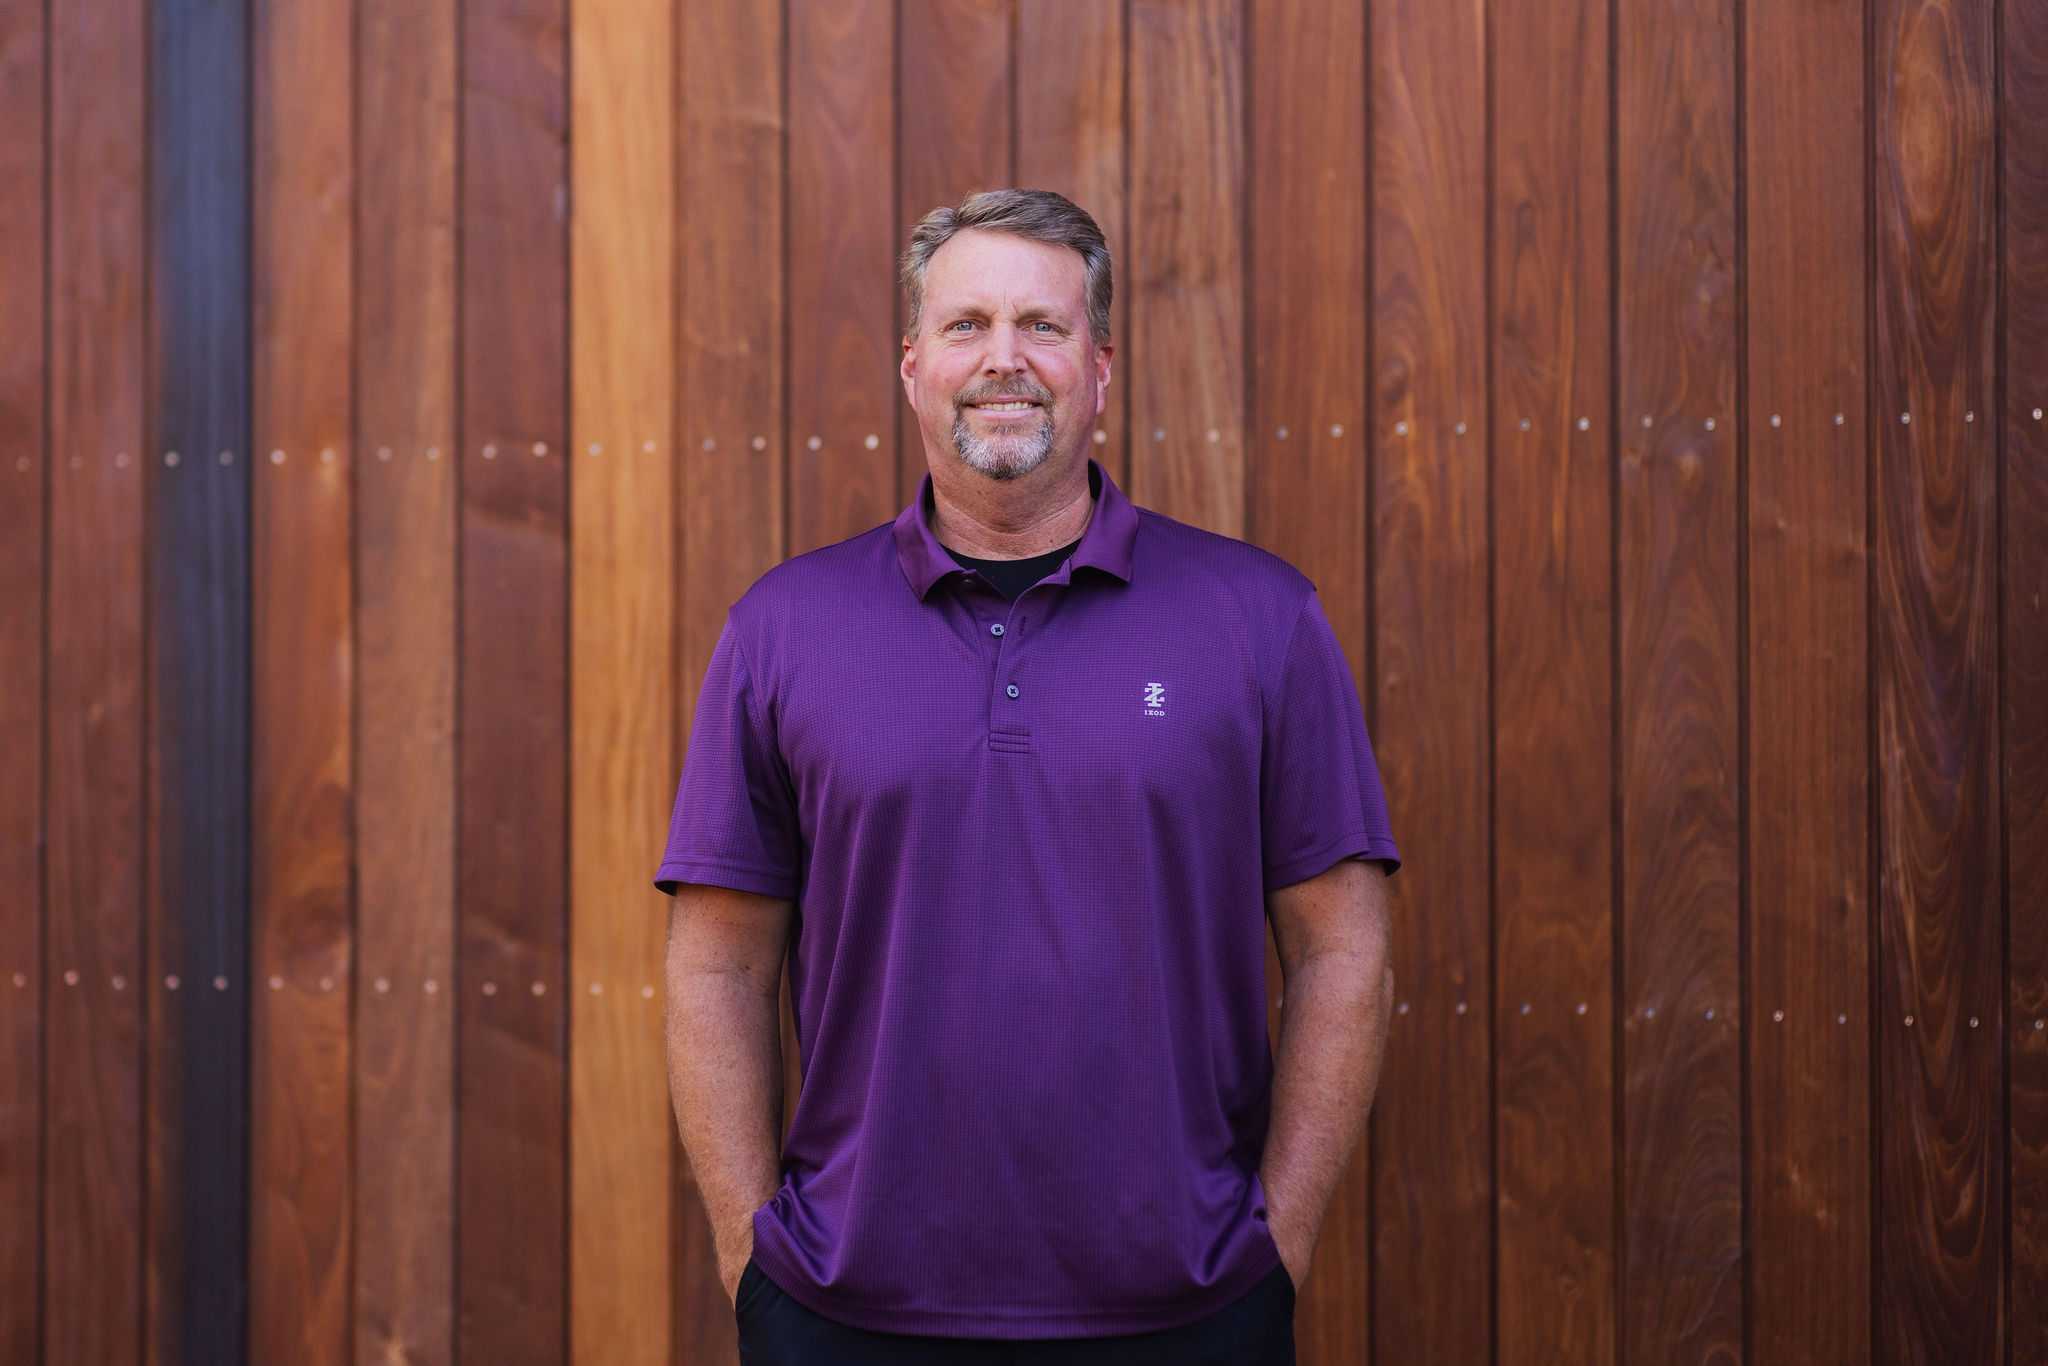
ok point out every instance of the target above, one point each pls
(1333, 1028)
(724, 1044)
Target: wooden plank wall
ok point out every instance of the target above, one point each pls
(394, 396)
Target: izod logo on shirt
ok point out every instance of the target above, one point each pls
(1155, 699)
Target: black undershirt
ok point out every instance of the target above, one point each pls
(1011, 577)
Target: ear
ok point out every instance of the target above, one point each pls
(1102, 358)
(908, 370)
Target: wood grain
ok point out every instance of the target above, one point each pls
(1432, 716)
(1070, 138)
(1305, 495)
(954, 135)
(1809, 1223)
(197, 617)
(1554, 694)
(2024, 687)
(1187, 169)
(1941, 1137)
(24, 484)
(841, 252)
(512, 1155)
(732, 459)
(622, 363)
(1681, 850)
(301, 685)
(405, 818)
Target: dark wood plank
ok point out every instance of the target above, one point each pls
(24, 485)
(1553, 689)
(95, 888)
(1941, 1139)
(733, 458)
(404, 1288)
(622, 369)
(1304, 493)
(2024, 689)
(1681, 838)
(1187, 177)
(1070, 138)
(954, 136)
(197, 882)
(512, 1154)
(302, 779)
(844, 392)
(1432, 720)
(1808, 759)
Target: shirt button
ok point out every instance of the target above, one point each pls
(996, 629)
(1011, 690)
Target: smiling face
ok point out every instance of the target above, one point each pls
(1003, 371)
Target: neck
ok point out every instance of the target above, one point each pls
(1009, 519)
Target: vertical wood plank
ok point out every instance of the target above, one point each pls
(732, 458)
(1680, 767)
(1070, 138)
(92, 1212)
(1433, 1157)
(1554, 690)
(621, 365)
(24, 466)
(405, 551)
(954, 136)
(843, 356)
(302, 649)
(1187, 137)
(1940, 1142)
(1304, 198)
(2024, 690)
(512, 1158)
(197, 577)
(1808, 772)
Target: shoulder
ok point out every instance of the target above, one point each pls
(828, 582)
(1221, 572)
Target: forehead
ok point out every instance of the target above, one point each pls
(999, 270)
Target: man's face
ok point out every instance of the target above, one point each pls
(1005, 319)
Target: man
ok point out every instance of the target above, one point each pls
(1011, 780)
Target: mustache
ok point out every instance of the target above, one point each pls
(998, 395)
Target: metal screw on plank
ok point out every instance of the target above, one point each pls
(490, 988)
(327, 455)
(121, 983)
(430, 986)
(647, 992)
(1214, 436)
(540, 988)
(710, 444)
(1401, 1009)
(1778, 1016)
(647, 446)
(1909, 1022)
(170, 458)
(1525, 424)
(120, 460)
(1970, 416)
(1100, 436)
(597, 988)
(1582, 1007)
(276, 983)
(815, 442)
(383, 452)
(1650, 1012)
(1842, 1018)
(1710, 424)
(871, 440)
(540, 448)
(1336, 429)
(1280, 432)
(1647, 423)
(326, 984)
(1159, 433)
(1462, 1007)
(277, 457)
(1400, 429)
(1777, 421)
(227, 457)
(1905, 419)
(760, 443)
(171, 981)
(383, 985)
(490, 452)
(20, 979)
(1585, 424)
(220, 984)
(1525, 1007)
(1460, 429)
(1710, 1012)
(1973, 1022)
(433, 452)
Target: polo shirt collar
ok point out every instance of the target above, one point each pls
(1106, 544)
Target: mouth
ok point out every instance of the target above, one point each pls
(1006, 407)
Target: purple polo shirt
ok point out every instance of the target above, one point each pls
(1029, 844)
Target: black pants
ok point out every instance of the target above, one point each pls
(1256, 1329)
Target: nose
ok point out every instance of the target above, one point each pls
(1005, 356)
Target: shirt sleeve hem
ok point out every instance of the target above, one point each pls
(1357, 844)
(718, 873)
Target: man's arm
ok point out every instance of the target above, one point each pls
(724, 1045)
(1331, 932)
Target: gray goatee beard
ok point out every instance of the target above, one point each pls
(1006, 457)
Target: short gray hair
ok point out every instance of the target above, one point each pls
(1041, 215)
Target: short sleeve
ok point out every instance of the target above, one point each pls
(735, 820)
(1320, 798)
